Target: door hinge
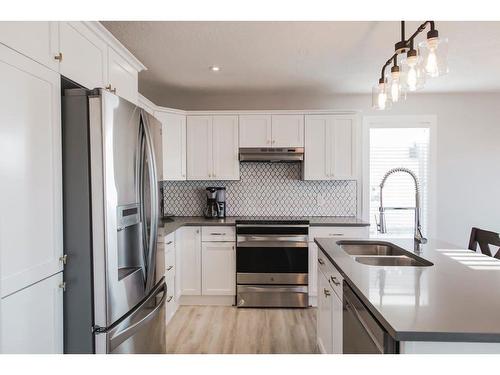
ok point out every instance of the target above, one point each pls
(98, 329)
(63, 259)
(63, 286)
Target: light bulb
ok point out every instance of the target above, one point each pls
(382, 97)
(395, 91)
(412, 78)
(431, 65)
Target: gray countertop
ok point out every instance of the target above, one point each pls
(171, 225)
(456, 299)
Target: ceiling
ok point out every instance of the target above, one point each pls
(293, 58)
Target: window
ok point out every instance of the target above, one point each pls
(391, 147)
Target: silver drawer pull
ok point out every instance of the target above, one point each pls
(169, 242)
(336, 234)
(327, 292)
(321, 261)
(169, 268)
(335, 281)
(169, 298)
(217, 234)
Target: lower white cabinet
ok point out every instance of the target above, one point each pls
(313, 273)
(188, 260)
(218, 269)
(32, 318)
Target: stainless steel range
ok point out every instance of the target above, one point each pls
(272, 263)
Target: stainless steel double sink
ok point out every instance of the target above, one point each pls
(382, 254)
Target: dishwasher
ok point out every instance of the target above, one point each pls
(362, 333)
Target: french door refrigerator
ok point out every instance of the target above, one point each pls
(115, 289)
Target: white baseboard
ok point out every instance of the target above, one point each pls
(207, 300)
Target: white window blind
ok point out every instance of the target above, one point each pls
(391, 148)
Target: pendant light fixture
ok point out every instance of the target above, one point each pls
(410, 74)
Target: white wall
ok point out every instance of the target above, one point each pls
(468, 152)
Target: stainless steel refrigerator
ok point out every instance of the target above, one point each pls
(115, 289)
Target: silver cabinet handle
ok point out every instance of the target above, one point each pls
(327, 292)
(169, 268)
(63, 259)
(169, 242)
(169, 299)
(335, 281)
(217, 234)
(58, 57)
(336, 234)
(321, 261)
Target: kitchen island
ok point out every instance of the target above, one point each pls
(451, 306)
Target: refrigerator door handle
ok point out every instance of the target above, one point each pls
(153, 182)
(126, 333)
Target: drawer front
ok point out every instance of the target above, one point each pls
(334, 277)
(218, 233)
(337, 232)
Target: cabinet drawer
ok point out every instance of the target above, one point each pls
(218, 233)
(170, 261)
(348, 232)
(334, 277)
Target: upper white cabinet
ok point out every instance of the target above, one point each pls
(31, 173)
(271, 130)
(83, 56)
(287, 130)
(32, 319)
(174, 145)
(330, 147)
(38, 40)
(212, 148)
(255, 131)
(122, 77)
(218, 268)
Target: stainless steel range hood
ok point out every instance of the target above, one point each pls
(274, 155)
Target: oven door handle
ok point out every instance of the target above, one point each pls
(280, 244)
(272, 238)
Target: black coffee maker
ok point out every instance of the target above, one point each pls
(211, 211)
(221, 202)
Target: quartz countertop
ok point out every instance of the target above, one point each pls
(172, 224)
(456, 299)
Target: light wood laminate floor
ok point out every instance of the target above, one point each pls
(227, 329)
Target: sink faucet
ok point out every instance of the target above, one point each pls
(382, 226)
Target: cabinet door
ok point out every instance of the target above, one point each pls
(39, 40)
(31, 173)
(255, 131)
(171, 307)
(174, 145)
(341, 137)
(218, 268)
(337, 328)
(288, 130)
(32, 319)
(225, 148)
(188, 241)
(199, 147)
(84, 55)
(315, 148)
(313, 270)
(324, 331)
(122, 76)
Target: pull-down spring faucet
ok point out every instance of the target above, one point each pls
(382, 226)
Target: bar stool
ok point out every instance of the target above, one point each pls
(484, 238)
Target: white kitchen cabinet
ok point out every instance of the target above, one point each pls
(226, 165)
(83, 55)
(218, 268)
(337, 328)
(32, 319)
(255, 131)
(331, 147)
(188, 260)
(313, 273)
(39, 40)
(212, 148)
(174, 145)
(287, 130)
(122, 77)
(30, 149)
(325, 315)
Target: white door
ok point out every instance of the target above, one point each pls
(313, 270)
(218, 268)
(122, 77)
(188, 241)
(225, 148)
(39, 40)
(199, 147)
(32, 319)
(315, 149)
(324, 331)
(30, 171)
(342, 143)
(255, 131)
(337, 336)
(174, 145)
(288, 130)
(84, 55)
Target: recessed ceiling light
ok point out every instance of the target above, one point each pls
(215, 68)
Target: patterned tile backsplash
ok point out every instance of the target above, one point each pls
(265, 189)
